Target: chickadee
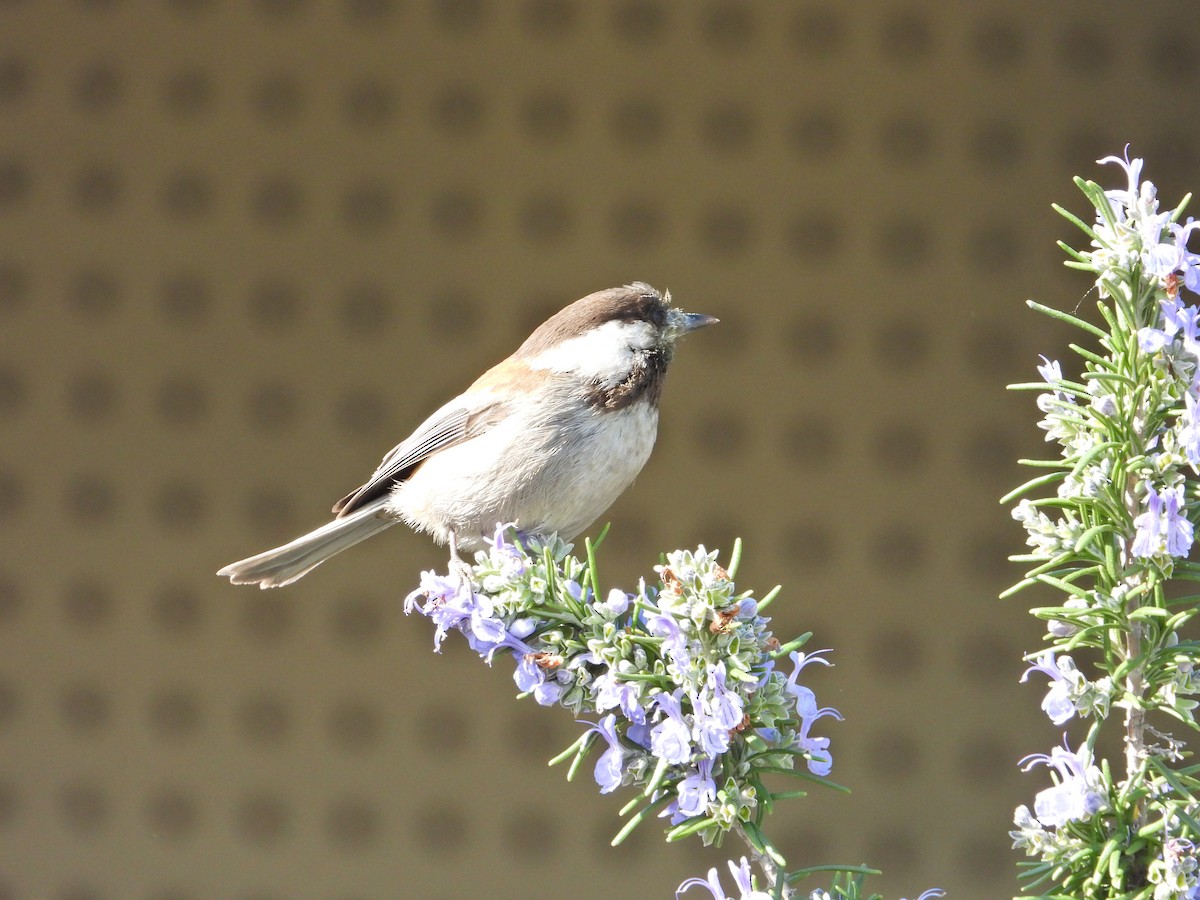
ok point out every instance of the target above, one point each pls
(547, 439)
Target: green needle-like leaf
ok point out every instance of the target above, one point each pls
(1066, 317)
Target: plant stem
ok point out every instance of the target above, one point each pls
(1135, 683)
(1135, 715)
(770, 870)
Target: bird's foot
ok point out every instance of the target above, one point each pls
(459, 567)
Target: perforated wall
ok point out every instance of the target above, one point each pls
(245, 246)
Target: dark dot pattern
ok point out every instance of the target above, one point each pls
(84, 808)
(177, 609)
(184, 298)
(11, 599)
(355, 725)
(265, 720)
(10, 703)
(172, 814)
(87, 603)
(263, 820)
(175, 714)
(187, 92)
(274, 236)
(353, 823)
(356, 620)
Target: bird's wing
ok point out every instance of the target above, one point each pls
(450, 425)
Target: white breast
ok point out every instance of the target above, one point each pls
(546, 471)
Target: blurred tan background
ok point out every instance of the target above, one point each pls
(246, 246)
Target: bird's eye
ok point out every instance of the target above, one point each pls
(656, 313)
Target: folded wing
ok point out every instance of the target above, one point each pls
(450, 425)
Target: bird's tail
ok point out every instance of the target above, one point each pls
(285, 564)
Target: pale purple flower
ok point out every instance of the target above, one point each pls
(532, 678)
(800, 660)
(1173, 256)
(1051, 403)
(528, 674)
(1163, 527)
(486, 627)
(451, 603)
(1062, 628)
(1029, 835)
(671, 739)
(676, 643)
(712, 884)
(639, 733)
(1076, 795)
(696, 791)
(487, 634)
(1149, 225)
(610, 766)
(741, 878)
(1057, 703)
(549, 692)
(609, 692)
(770, 735)
(448, 601)
(718, 710)
(614, 604)
(506, 554)
(1162, 258)
(1189, 430)
(1137, 205)
(1177, 321)
(720, 703)
(710, 735)
(500, 542)
(1180, 532)
(523, 627)
(820, 759)
(1105, 405)
(1133, 171)
(1189, 262)
(1151, 340)
(1148, 538)
(434, 588)
(1135, 233)
(1050, 370)
(574, 590)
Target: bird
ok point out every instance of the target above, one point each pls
(546, 440)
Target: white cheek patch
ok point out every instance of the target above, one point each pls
(603, 354)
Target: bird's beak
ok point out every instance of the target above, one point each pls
(692, 321)
(681, 322)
